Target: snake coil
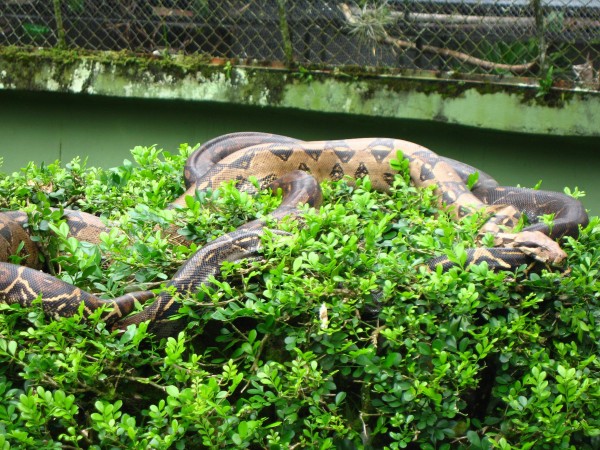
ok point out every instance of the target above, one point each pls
(296, 167)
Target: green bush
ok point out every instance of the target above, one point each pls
(338, 337)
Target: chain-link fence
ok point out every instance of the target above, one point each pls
(557, 38)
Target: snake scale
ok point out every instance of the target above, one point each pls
(297, 167)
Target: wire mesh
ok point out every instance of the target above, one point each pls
(518, 37)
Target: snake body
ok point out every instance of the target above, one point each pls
(297, 167)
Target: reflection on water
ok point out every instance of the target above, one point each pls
(46, 127)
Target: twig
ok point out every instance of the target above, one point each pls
(461, 56)
(464, 57)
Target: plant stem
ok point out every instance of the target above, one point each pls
(60, 29)
(285, 33)
(538, 13)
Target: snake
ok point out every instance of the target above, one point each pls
(296, 168)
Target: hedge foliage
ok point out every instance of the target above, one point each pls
(338, 337)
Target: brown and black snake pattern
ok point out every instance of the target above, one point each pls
(297, 167)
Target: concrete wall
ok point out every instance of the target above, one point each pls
(486, 102)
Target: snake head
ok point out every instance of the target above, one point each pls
(535, 244)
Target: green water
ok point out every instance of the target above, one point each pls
(45, 127)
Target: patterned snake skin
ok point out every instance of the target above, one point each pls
(297, 167)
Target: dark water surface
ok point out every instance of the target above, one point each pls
(45, 127)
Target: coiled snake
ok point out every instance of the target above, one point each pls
(297, 167)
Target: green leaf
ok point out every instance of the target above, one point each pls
(472, 180)
(172, 391)
(340, 397)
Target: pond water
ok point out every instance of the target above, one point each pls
(45, 127)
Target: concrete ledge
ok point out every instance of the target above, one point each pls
(490, 102)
